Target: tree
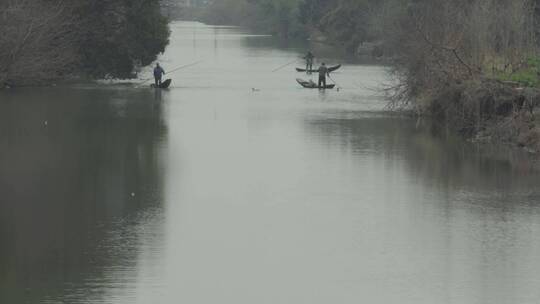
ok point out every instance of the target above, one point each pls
(37, 42)
(43, 40)
(118, 35)
(442, 46)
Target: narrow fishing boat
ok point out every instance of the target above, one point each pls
(312, 85)
(164, 85)
(330, 69)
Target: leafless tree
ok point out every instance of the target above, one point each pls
(442, 43)
(37, 43)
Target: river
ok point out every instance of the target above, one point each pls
(238, 186)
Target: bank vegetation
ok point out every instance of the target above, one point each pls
(474, 65)
(46, 40)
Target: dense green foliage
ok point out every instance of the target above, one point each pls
(119, 35)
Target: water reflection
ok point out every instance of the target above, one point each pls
(438, 156)
(468, 213)
(81, 183)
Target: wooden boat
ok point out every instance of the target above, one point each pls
(330, 69)
(312, 85)
(164, 85)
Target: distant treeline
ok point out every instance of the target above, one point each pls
(278, 17)
(44, 40)
(347, 23)
(351, 23)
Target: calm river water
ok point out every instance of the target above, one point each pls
(238, 186)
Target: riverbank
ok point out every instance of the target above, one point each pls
(488, 111)
(452, 64)
(516, 120)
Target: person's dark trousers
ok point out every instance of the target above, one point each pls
(322, 80)
(309, 67)
(158, 81)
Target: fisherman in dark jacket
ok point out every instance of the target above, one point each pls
(323, 72)
(158, 73)
(309, 61)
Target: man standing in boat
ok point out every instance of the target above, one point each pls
(309, 62)
(323, 72)
(158, 73)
